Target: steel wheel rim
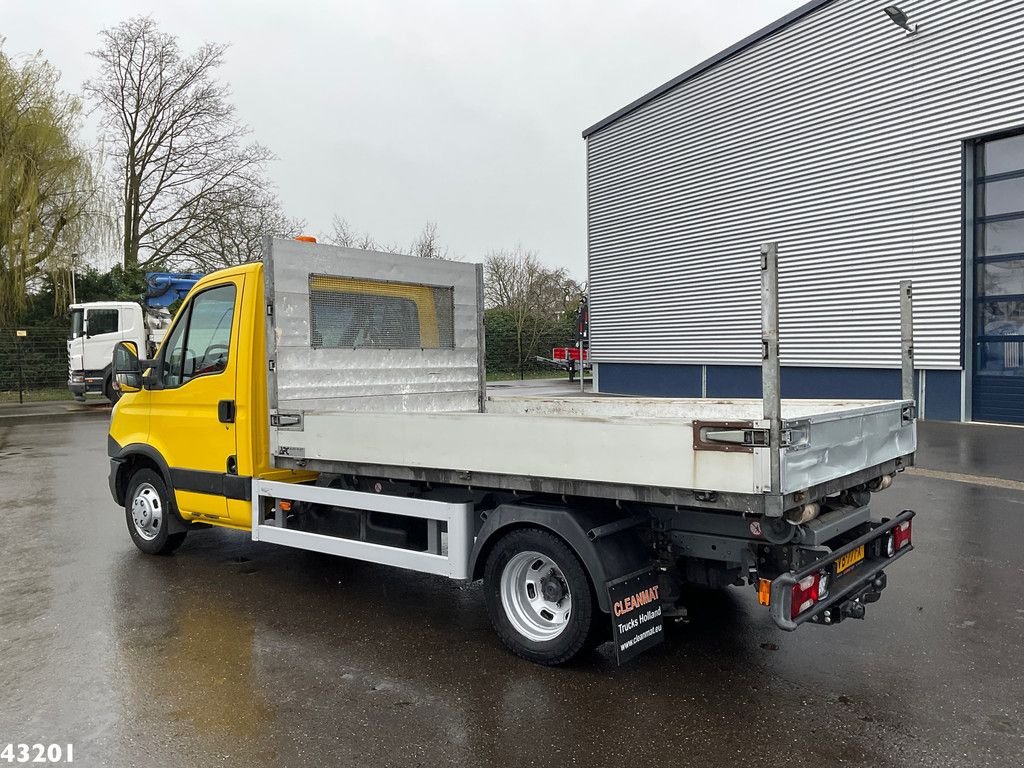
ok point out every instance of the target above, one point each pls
(523, 583)
(147, 512)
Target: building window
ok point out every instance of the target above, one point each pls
(998, 303)
(999, 256)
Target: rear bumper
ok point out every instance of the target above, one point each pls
(849, 592)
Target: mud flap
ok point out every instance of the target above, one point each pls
(636, 614)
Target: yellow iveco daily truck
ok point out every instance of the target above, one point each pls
(334, 400)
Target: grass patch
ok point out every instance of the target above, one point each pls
(47, 394)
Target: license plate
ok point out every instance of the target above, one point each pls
(850, 559)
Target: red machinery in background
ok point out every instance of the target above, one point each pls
(573, 359)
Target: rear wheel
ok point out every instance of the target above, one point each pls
(539, 597)
(147, 511)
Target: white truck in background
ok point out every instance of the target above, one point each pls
(96, 326)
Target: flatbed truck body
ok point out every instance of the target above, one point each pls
(334, 400)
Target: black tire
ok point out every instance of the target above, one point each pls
(577, 632)
(113, 395)
(150, 532)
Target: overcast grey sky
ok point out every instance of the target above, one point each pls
(393, 112)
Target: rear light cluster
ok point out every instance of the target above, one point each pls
(814, 588)
(901, 535)
(808, 591)
(898, 538)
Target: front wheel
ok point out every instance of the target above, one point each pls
(147, 510)
(539, 597)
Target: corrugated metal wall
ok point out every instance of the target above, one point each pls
(840, 137)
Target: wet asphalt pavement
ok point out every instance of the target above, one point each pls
(236, 653)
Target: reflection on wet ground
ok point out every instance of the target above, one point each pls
(236, 653)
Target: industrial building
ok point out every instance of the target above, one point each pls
(874, 144)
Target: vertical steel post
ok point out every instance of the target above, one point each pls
(907, 339)
(771, 372)
(19, 335)
(579, 348)
(583, 329)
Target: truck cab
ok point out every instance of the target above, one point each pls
(206, 392)
(95, 328)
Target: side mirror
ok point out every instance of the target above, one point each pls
(126, 366)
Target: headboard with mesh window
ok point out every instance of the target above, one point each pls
(354, 330)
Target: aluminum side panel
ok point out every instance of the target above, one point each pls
(837, 445)
(646, 452)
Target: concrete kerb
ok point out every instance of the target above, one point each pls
(59, 410)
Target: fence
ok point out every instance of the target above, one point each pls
(513, 355)
(33, 366)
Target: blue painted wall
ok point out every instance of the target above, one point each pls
(942, 392)
(650, 380)
(942, 395)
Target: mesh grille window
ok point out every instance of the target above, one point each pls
(353, 313)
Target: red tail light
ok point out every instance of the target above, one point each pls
(901, 535)
(808, 591)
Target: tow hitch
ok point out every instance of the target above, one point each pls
(840, 585)
(853, 608)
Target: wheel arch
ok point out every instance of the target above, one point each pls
(604, 558)
(133, 457)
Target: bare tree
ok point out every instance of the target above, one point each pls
(182, 151)
(365, 242)
(236, 229)
(528, 295)
(342, 233)
(517, 281)
(427, 244)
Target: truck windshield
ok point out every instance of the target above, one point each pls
(77, 316)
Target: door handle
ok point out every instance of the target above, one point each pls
(226, 411)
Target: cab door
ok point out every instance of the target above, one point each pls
(102, 332)
(192, 411)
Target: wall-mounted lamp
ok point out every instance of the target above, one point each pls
(899, 18)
